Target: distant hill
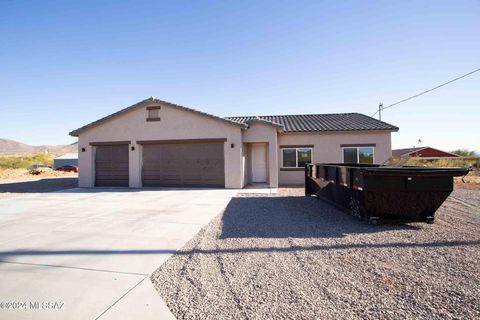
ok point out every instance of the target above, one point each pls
(11, 147)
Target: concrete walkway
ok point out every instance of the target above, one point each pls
(87, 253)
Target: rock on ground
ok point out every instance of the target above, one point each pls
(289, 257)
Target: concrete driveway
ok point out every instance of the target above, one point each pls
(87, 253)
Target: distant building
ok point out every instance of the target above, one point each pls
(68, 159)
(422, 152)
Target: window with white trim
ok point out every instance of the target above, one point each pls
(358, 155)
(296, 157)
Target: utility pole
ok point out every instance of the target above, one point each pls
(380, 107)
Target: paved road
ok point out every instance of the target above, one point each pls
(12, 188)
(91, 250)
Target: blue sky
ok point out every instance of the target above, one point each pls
(64, 63)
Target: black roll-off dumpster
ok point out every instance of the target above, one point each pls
(374, 192)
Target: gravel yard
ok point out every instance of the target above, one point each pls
(290, 257)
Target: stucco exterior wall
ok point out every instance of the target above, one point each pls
(178, 124)
(245, 163)
(326, 148)
(175, 124)
(258, 132)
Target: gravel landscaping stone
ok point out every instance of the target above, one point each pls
(284, 256)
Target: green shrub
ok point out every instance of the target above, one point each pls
(464, 152)
(25, 162)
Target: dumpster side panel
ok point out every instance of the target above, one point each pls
(414, 198)
(411, 206)
(372, 192)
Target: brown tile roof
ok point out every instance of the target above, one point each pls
(322, 122)
(288, 123)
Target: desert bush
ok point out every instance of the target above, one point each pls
(449, 162)
(25, 162)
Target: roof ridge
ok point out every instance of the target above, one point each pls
(347, 121)
(296, 114)
(142, 103)
(191, 109)
(310, 122)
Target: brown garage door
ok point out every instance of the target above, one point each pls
(111, 166)
(183, 164)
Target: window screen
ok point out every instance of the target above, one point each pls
(350, 155)
(304, 156)
(365, 155)
(358, 155)
(289, 158)
(153, 114)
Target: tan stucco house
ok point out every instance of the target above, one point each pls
(157, 143)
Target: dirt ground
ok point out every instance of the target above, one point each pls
(23, 174)
(471, 182)
(290, 257)
(16, 182)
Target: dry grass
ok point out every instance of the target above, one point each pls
(443, 163)
(25, 161)
(436, 163)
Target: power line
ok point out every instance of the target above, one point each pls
(424, 92)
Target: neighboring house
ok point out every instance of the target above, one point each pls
(422, 152)
(68, 159)
(157, 143)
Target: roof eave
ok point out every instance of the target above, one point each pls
(423, 148)
(342, 130)
(100, 121)
(208, 115)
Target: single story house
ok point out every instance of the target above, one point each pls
(157, 143)
(422, 152)
(68, 159)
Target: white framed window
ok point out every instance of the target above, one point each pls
(296, 157)
(358, 155)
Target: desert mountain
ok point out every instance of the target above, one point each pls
(12, 147)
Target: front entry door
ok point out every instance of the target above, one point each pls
(259, 162)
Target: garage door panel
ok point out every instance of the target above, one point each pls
(188, 164)
(111, 166)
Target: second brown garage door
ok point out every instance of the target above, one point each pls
(183, 164)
